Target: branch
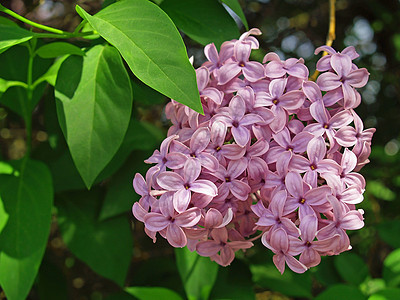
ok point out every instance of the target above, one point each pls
(331, 33)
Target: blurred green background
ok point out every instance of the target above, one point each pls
(292, 29)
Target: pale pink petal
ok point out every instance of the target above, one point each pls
(358, 78)
(341, 63)
(170, 181)
(208, 248)
(274, 69)
(200, 139)
(175, 236)
(279, 261)
(294, 184)
(341, 119)
(227, 72)
(310, 257)
(140, 185)
(298, 70)
(204, 186)
(312, 91)
(188, 218)
(181, 199)
(155, 221)
(191, 170)
(295, 265)
(253, 71)
(138, 211)
(328, 81)
(240, 189)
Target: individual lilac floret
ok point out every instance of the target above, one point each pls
(275, 157)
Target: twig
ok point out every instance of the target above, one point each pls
(331, 33)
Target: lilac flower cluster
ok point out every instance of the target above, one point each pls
(274, 156)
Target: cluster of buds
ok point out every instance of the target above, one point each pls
(274, 156)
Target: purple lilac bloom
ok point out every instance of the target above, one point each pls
(275, 157)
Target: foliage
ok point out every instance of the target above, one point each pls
(80, 109)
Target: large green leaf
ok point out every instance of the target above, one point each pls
(150, 293)
(152, 47)
(94, 108)
(198, 273)
(351, 267)
(27, 196)
(12, 35)
(204, 21)
(391, 269)
(105, 246)
(386, 294)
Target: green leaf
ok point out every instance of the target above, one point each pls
(341, 291)
(3, 216)
(235, 6)
(105, 246)
(204, 21)
(389, 232)
(145, 95)
(267, 276)
(12, 35)
(57, 49)
(120, 195)
(27, 197)
(14, 67)
(391, 269)
(234, 283)
(51, 74)
(152, 47)
(198, 273)
(150, 293)
(326, 272)
(94, 108)
(351, 267)
(386, 294)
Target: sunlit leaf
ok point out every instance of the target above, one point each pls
(150, 293)
(12, 35)
(198, 273)
(391, 269)
(151, 45)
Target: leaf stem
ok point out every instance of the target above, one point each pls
(34, 24)
(29, 96)
(331, 32)
(55, 33)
